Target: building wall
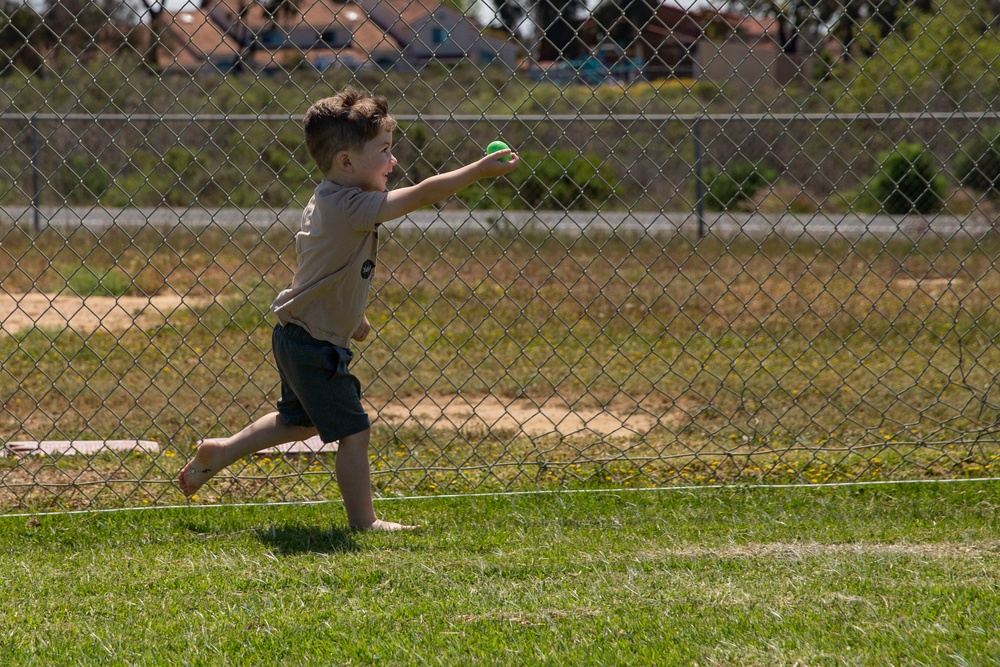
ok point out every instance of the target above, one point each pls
(749, 64)
(449, 37)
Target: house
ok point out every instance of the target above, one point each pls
(431, 32)
(746, 52)
(224, 35)
(661, 48)
(720, 46)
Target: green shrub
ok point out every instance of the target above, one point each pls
(557, 181)
(908, 181)
(422, 151)
(131, 188)
(855, 200)
(723, 190)
(85, 282)
(736, 184)
(288, 178)
(81, 179)
(978, 164)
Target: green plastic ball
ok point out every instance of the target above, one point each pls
(498, 146)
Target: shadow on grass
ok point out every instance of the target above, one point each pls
(294, 539)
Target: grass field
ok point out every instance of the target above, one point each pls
(894, 574)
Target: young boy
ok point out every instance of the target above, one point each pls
(350, 138)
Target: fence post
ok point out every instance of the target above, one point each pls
(699, 185)
(35, 194)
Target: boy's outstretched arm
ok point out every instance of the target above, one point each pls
(438, 188)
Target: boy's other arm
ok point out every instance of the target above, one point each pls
(401, 201)
(363, 329)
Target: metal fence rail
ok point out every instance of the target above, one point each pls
(783, 269)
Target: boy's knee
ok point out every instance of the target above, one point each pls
(359, 439)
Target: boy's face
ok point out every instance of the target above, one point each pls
(372, 165)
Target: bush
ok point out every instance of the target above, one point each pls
(556, 181)
(736, 184)
(84, 282)
(422, 151)
(978, 164)
(908, 181)
(81, 180)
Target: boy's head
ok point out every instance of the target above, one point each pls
(344, 122)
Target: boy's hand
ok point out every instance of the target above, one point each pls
(362, 331)
(493, 165)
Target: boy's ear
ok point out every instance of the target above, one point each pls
(342, 161)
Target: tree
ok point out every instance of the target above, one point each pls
(844, 19)
(849, 19)
(154, 10)
(623, 20)
(274, 9)
(240, 33)
(556, 24)
(942, 60)
(76, 24)
(20, 25)
(511, 15)
(558, 21)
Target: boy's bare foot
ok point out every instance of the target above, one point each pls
(386, 526)
(207, 461)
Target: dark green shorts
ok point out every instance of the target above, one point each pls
(317, 389)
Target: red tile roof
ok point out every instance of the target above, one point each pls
(192, 39)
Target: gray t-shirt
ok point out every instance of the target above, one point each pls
(336, 250)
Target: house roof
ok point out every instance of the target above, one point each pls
(742, 24)
(316, 13)
(688, 25)
(200, 35)
(411, 13)
(678, 20)
(669, 20)
(192, 39)
(323, 13)
(370, 39)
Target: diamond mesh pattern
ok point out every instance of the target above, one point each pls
(747, 243)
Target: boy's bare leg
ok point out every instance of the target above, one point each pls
(214, 455)
(354, 479)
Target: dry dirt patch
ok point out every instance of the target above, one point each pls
(473, 415)
(935, 288)
(482, 413)
(36, 309)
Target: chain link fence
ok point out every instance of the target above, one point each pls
(746, 244)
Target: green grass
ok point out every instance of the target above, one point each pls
(84, 282)
(901, 574)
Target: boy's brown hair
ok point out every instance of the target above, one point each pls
(346, 121)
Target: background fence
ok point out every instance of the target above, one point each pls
(779, 268)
